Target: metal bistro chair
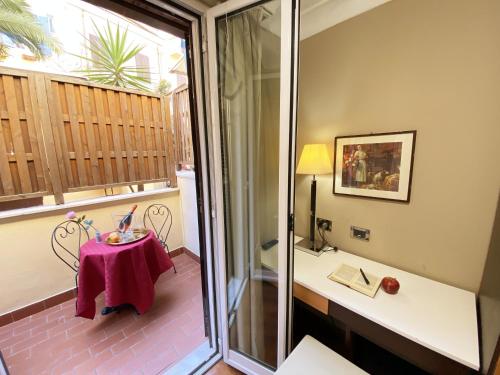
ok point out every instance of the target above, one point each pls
(66, 242)
(162, 225)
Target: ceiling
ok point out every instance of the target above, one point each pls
(318, 15)
(210, 3)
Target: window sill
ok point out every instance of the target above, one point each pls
(28, 213)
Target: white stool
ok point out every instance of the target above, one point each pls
(312, 357)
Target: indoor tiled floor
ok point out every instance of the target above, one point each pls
(55, 342)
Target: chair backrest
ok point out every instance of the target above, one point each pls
(66, 240)
(158, 217)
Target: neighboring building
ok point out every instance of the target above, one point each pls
(70, 20)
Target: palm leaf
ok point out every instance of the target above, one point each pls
(16, 6)
(111, 54)
(20, 25)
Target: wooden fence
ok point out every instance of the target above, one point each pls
(182, 125)
(61, 134)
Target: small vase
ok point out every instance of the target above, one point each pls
(98, 238)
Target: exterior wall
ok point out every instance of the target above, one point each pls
(29, 270)
(73, 19)
(189, 210)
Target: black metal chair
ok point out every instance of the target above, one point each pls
(67, 239)
(158, 217)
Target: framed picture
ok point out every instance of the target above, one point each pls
(375, 165)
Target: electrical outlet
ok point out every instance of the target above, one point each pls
(324, 224)
(360, 233)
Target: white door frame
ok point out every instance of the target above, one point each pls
(292, 134)
(288, 69)
(198, 32)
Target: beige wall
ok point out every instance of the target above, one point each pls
(429, 65)
(29, 270)
(268, 144)
(269, 148)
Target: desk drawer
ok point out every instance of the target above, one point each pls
(311, 298)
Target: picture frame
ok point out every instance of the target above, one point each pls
(378, 166)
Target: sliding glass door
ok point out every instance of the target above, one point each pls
(252, 58)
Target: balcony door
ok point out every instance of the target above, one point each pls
(252, 47)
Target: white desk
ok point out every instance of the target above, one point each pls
(439, 317)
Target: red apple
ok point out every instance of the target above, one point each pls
(390, 285)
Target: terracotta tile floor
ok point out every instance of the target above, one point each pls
(55, 342)
(222, 368)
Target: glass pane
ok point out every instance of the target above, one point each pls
(248, 46)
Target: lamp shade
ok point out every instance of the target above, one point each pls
(314, 160)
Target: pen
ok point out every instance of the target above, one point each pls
(364, 277)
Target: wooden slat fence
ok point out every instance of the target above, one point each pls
(182, 125)
(61, 134)
(23, 166)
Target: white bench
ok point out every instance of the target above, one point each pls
(312, 357)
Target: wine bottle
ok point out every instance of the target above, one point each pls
(127, 220)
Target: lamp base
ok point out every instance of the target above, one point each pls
(306, 243)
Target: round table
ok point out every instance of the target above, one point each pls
(126, 273)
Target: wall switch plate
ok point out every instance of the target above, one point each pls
(324, 224)
(360, 233)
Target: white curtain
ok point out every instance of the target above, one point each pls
(240, 61)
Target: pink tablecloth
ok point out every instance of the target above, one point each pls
(126, 273)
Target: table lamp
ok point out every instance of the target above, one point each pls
(314, 160)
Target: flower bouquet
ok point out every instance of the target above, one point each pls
(86, 223)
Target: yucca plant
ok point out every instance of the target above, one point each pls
(110, 56)
(20, 25)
